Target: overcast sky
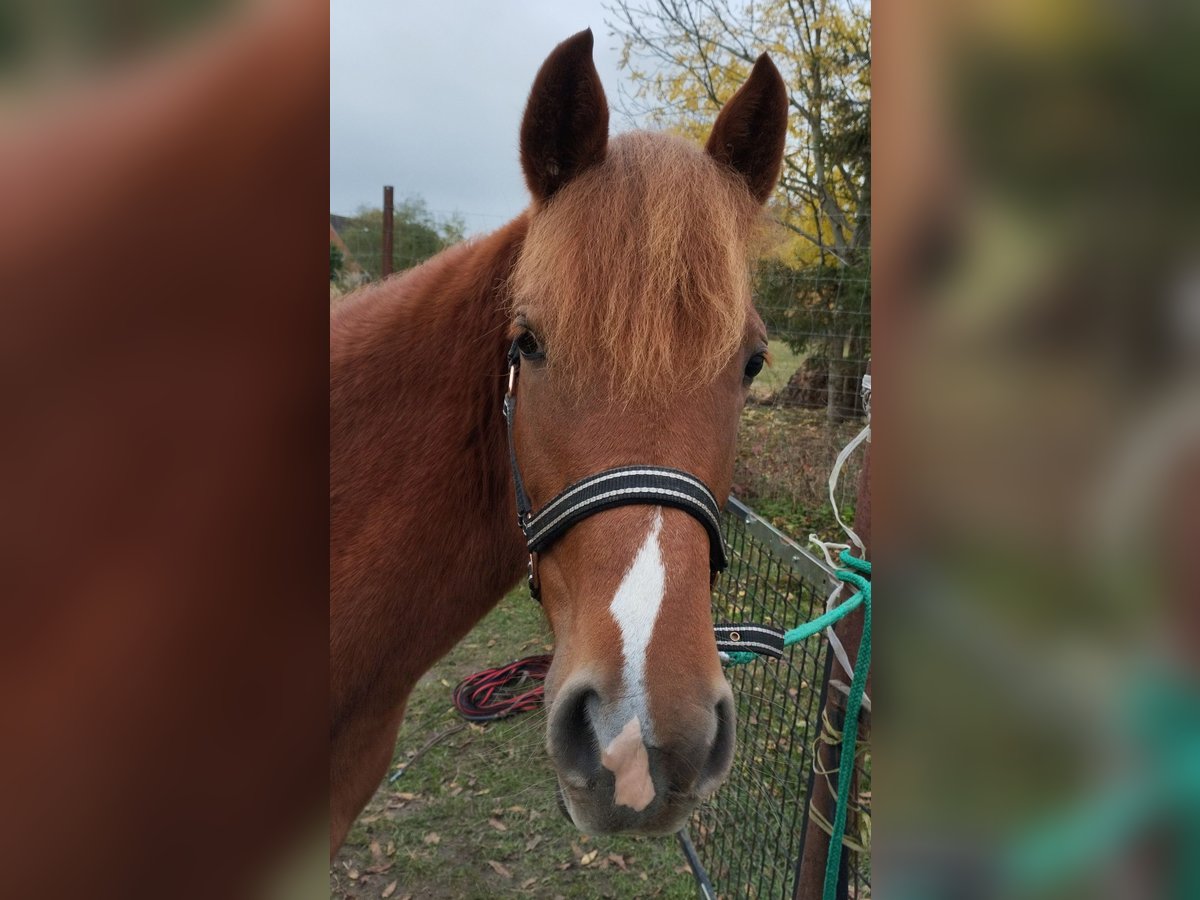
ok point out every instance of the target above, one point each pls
(428, 96)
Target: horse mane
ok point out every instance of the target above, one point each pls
(636, 274)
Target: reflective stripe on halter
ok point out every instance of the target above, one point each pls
(626, 486)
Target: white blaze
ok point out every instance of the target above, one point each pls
(635, 608)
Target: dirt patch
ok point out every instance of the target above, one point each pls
(784, 459)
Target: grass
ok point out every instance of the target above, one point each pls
(475, 815)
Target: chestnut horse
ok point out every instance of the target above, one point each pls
(625, 286)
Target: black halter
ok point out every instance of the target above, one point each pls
(626, 486)
(621, 486)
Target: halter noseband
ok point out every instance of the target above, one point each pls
(610, 488)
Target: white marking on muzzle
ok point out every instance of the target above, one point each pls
(627, 759)
(635, 608)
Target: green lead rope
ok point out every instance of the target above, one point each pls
(1162, 792)
(857, 573)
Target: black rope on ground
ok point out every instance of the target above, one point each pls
(498, 693)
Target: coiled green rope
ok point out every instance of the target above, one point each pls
(857, 573)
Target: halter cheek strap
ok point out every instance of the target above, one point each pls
(625, 486)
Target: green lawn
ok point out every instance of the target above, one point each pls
(475, 815)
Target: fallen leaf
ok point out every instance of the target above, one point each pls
(499, 869)
(564, 866)
(404, 795)
(497, 824)
(389, 890)
(533, 842)
(528, 883)
(589, 858)
(353, 873)
(432, 838)
(618, 860)
(381, 869)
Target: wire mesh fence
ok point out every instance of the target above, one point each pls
(748, 838)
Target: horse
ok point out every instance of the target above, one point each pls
(622, 297)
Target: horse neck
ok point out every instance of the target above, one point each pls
(423, 531)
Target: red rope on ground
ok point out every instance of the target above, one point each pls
(497, 693)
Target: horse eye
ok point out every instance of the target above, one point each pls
(530, 346)
(754, 365)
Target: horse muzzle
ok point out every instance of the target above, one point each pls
(616, 776)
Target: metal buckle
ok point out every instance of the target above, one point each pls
(535, 584)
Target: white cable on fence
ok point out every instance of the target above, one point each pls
(835, 643)
(863, 435)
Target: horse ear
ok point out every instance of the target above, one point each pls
(565, 129)
(749, 132)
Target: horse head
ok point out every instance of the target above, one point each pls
(638, 340)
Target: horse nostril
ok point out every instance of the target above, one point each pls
(720, 756)
(573, 741)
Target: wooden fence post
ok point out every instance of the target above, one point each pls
(849, 630)
(388, 248)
